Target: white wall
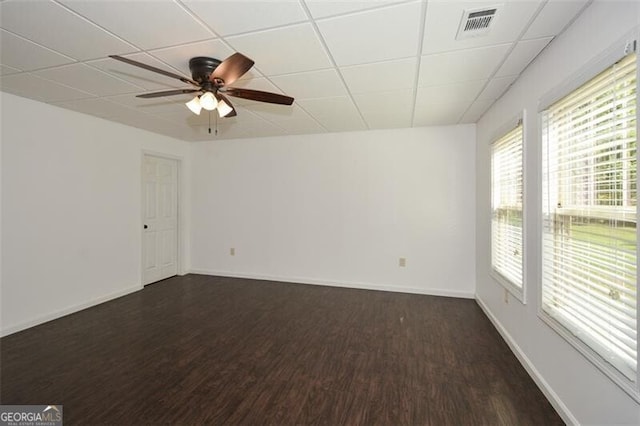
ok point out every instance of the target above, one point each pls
(1, 257)
(71, 215)
(340, 209)
(577, 388)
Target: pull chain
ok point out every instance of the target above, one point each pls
(210, 124)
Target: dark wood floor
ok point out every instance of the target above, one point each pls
(209, 350)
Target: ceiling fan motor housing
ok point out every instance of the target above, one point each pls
(201, 67)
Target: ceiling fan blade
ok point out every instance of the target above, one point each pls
(167, 93)
(154, 69)
(231, 68)
(226, 100)
(257, 95)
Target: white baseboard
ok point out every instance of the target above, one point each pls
(66, 311)
(344, 284)
(553, 398)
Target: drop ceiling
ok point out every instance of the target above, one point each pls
(350, 65)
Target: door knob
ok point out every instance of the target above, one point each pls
(145, 226)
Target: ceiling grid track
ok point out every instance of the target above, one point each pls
(333, 61)
(73, 12)
(416, 79)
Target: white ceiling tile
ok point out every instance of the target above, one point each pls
(190, 134)
(198, 131)
(555, 15)
(143, 23)
(263, 129)
(324, 8)
(277, 113)
(301, 126)
(476, 110)
(186, 117)
(389, 75)
(439, 115)
(522, 55)
(313, 84)
(461, 65)
(335, 114)
(87, 79)
(183, 133)
(6, 70)
(371, 36)
(227, 17)
(96, 106)
(178, 57)
(132, 101)
(33, 87)
(146, 122)
(230, 130)
(168, 105)
(379, 120)
(25, 55)
(465, 92)
(245, 124)
(496, 87)
(383, 110)
(225, 131)
(138, 76)
(64, 31)
(437, 105)
(245, 115)
(284, 50)
(293, 119)
(444, 17)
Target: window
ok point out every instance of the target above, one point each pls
(589, 250)
(506, 210)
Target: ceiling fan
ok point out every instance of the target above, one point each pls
(211, 77)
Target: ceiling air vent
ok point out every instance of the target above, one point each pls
(476, 22)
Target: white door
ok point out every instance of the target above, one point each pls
(159, 219)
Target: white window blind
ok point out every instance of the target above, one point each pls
(506, 207)
(589, 281)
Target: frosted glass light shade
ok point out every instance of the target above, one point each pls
(194, 105)
(208, 101)
(223, 108)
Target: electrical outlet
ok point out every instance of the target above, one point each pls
(232, 251)
(402, 262)
(506, 296)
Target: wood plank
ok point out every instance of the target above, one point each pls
(214, 350)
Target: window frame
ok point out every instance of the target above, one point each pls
(600, 63)
(508, 126)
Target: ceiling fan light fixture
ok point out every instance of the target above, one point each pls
(194, 105)
(209, 76)
(223, 108)
(208, 101)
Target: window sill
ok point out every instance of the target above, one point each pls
(517, 292)
(597, 360)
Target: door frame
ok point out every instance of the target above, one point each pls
(180, 210)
